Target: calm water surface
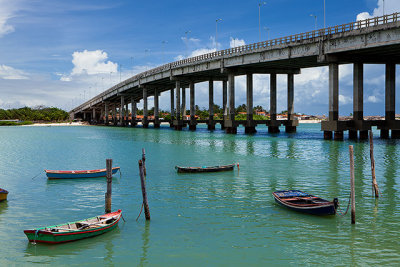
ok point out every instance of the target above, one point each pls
(198, 219)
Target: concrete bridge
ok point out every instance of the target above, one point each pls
(371, 41)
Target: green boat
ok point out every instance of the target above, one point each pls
(74, 231)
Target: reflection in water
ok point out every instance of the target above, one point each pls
(274, 148)
(250, 146)
(359, 164)
(291, 151)
(391, 165)
(145, 247)
(3, 208)
(333, 179)
(109, 246)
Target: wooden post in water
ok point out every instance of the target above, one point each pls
(352, 193)
(371, 154)
(144, 162)
(109, 185)
(143, 182)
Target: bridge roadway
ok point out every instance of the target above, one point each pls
(371, 41)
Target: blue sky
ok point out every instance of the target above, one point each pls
(58, 53)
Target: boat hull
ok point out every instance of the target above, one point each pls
(79, 174)
(42, 236)
(205, 169)
(3, 194)
(306, 203)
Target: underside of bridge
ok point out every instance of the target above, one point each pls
(374, 41)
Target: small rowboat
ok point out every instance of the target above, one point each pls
(206, 168)
(74, 231)
(79, 174)
(303, 202)
(3, 194)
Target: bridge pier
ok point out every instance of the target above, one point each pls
(192, 123)
(145, 120)
(333, 124)
(230, 123)
(133, 112)
(121, 111)
(171, 124)
(290, 125)
(178, 123)
(224, 102)
(114, 114)
(273, 124)
(183, 106)
(156, 109)
(211, 122)
(107, 112)
(250, 126)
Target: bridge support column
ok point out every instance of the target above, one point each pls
(94, 121)
(101, 115)
(115, 121)
(134, 111)
(156, 109)
(224, 102)
(358, 103)
(126, 114)
(390, 103)
(273, 124)
(211, 123)
(250, 126)
(230, 123)
(333, 123)
(172, 108)
(292, 122)
(145, 121)
(107, 112)
(183, 107)
(121, 112)
(178, 121)
(192, 123)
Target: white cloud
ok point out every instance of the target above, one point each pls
(7, 11)
(90, 63)
(373, 99)
(234, 42)
(9, 73)
(391, 6)
(345, 99)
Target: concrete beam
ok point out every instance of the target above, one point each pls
(390, 91)
(358, 88)
(333, 91)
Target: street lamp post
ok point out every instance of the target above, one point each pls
(187, 43)
(163, 44)
(267, 30)
(324, 16)
(259, 19)
(315, 17)
(383, 7)
(216, 33)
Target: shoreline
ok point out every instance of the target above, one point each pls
(56, 124)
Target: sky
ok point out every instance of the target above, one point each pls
(61, 53)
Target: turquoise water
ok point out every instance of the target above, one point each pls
(223, 219)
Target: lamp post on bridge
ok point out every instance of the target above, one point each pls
(315, 17)
(216, 33)
(259, 18)
(267, 30)
(187, 42)
(324, 16)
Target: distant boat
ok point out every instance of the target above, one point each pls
(74, 231)
(54, 174)
(206, 168)
(303, 202)
(3, 194)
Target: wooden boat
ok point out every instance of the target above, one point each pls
(74, 231)
(206, 168)
(54, 174)
(3, 194)
(303, 202)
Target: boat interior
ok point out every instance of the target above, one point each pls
(83, 225)
(305, 200)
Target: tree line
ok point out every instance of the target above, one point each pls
(40, 113)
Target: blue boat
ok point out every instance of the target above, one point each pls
(54, 174)
(302, 202)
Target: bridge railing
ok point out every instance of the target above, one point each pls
(358, 25)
